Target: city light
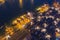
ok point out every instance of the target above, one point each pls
(43, 8)
(21, 22)
(32, 1)
(9, 30)
(48, 36)
(41, 24)
(21, 3)
(43, 30)
(45, 25)
(57, 29)
(57, 34)
(2, 2)
(56, 4)
(37, 28)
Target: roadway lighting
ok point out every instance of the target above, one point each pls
(14, 22)
(22, 17)
(18, 19)
(19, 26)
(21, 22)
(43, 8)
(9, 30)
(23, 26)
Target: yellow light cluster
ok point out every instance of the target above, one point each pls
(2, 1)
(43, 8)
(57, 34)
(21, 3)
(9, 30)
(56, 4)
(21, 21)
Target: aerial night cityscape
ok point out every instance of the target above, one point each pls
(29, 19)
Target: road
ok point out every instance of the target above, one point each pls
(20, 35)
